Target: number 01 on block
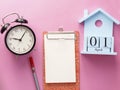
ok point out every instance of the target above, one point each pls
(99, 45)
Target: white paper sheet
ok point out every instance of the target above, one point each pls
(59, 58)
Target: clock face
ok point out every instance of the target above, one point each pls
(20, 39)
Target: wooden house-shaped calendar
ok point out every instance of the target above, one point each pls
(98, 33)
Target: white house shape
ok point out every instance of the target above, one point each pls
(102, 34)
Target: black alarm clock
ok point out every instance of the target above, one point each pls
(19, 39)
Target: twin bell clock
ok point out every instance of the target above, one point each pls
(19, 38)
(98, 33)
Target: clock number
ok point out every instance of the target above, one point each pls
(12, 33)
(19, 49)
(28, 45)
(30, 40)
(10, 44)
(24, 49)
(93, 41)
(10, 39)
(13, 47)
(30, 34)
(16, 30)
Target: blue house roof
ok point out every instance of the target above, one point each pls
(97, 11)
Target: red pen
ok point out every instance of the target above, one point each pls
(34, 73)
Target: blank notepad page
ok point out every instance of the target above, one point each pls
(59, 58)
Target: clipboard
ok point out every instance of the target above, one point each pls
(72, 85)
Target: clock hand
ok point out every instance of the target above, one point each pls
(15, 39)
(22, 36)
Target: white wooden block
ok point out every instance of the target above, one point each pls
(102, 42)
(109, 42)
(93, 41)
(105, 42)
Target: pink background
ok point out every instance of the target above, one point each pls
(96, 72)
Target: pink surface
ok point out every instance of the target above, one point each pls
(97, 72)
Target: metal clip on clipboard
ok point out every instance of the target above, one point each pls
(61, 34)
